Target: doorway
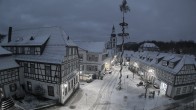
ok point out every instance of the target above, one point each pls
(163, 88)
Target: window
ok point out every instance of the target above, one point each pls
(22, 50)
(69, 86)
(81, 67)
(184, 90)
(76, 79)
(19, 51)
(50, 90)
(81, 57)
(32, 68)
(171, 64)
(32, 50)
(113, 45)
(69, 51)
(26, 67)
(91, 68)
(164, 63)
(91, 57)
(72, 83)
(14, 49)
(47, 70)
(13, 87)
(76, 52)
(1, 92)
(72, 51)
(65, 91)
(178, 91)
(29, 86)
(27, 49)
(189, 89)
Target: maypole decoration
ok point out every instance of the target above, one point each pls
(124, 8)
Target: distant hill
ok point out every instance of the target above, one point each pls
(185, 47)
(130, 46)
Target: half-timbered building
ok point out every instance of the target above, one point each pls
(9, 75)
(175, 74)
(48, 61)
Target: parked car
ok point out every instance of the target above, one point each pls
(89, 81)
(156, 86)
(140, 83)
(110, 72)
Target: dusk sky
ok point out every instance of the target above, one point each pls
(163, 20)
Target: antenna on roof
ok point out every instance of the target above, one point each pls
(68, 38)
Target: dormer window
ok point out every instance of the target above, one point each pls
(171, 64)
(164, 63)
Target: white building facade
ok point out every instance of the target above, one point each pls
(93, 57)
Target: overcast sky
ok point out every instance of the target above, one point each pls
(93, 19)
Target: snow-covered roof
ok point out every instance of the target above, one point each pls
(4, 51)
(27, 40)
(148, 45)
(91, 46)
(50, 58)
(161, 55)
(7, 63)
(184, 60)
(180, 59)
(175, 59)
(55, 49)
(169, 57)
(128, 53)
(153, 55)
(23, 37)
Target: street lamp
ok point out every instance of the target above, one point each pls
(135, 64)
(150, 70)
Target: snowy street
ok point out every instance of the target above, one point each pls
(103, 95)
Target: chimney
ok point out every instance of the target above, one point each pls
(9, 34)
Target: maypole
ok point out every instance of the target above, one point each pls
(124, 8)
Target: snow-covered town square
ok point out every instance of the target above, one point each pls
(97, 55)
(104, 95)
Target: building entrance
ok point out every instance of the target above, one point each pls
(163, 88)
